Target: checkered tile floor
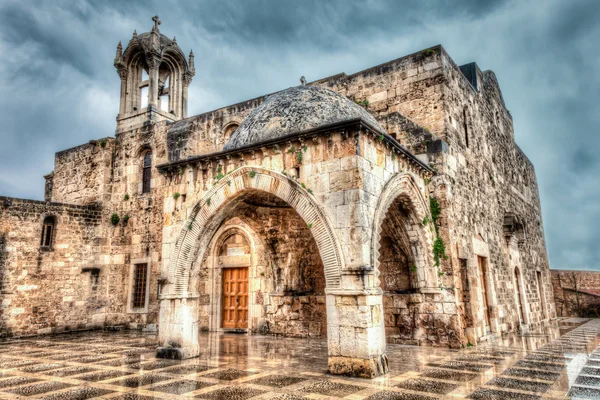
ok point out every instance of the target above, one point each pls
(122, 366)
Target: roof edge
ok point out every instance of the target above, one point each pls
(294, 135)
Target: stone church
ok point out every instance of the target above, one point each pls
(391, 205)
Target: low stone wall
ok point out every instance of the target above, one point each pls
(297, 316)
(420, 319)
(576, 293)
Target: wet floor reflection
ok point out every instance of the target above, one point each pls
(556, 362)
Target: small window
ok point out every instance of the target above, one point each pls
(95, 278)
(138, 298)
(48, 233)
(147, 172)
(466, 126)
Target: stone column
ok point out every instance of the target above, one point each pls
(153, 65)
(184, 96)
(178, 328)
(123, 104)
(355, 333)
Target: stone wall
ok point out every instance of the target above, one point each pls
(83, 174)
(576, 293)
(481, 185)
(57, 289)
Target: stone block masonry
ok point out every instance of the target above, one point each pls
(55, 288)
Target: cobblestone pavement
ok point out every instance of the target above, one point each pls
(121, 365)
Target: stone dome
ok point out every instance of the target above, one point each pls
(295, 110)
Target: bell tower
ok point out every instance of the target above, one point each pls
(155, 76)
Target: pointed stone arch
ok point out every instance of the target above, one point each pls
(402, 187)
(208, 213)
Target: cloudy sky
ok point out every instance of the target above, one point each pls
(60, 89)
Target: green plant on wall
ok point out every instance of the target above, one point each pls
(252, 174)
(114, 219)
(219, 174)
(439, 247)
(125, 219)
(126, 197)
(176, 195)
(102, 143)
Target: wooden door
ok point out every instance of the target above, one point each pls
(484, 287)
(235, 298)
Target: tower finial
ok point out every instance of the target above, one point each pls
(303, 81)
(134, 36)
(174, 40)
(119, 54)
(156, 22)
(191, 61)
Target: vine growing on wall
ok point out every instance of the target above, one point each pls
(439, 247)
(220, 175)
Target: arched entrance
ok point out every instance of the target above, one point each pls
(402, 254)
(262, 273)
(354, 342)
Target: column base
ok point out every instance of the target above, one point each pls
(177, 353)
(359, 367)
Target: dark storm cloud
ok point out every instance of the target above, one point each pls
(21, 27)
(60, 88)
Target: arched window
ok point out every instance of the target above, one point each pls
(229, 130)
(147, 172)
(48, 233)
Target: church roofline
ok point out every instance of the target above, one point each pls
(355, 123)
(330, 77)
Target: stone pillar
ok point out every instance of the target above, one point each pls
(355, 333)
(184, 97)
(153, 64)
(178, 329)
(123, 104)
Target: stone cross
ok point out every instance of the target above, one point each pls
(303, 81)
(156, 21)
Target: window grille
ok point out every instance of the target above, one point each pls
(138, 298)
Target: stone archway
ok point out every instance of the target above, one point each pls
(354, 324)
(402, 189)
(203, 221)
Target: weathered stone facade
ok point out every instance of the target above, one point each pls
(388, 205)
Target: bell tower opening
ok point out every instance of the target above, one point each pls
(155, 76)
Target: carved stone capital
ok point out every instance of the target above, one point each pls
(153, 62)
(122, 71)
